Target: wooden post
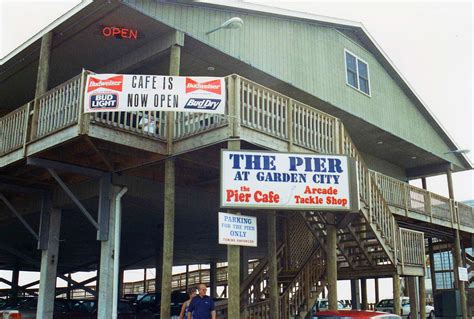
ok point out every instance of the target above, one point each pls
(422, 289)
(145, 290)
(106, 273)
(213, 279)
(233, 260)
(49, 262)
(363, 289)
(187, 279)
(244, 263)
(397, 307)
(273, 266)
(69, 288)
(355, 294)
(15, 278)
(432, 267)
(457, 259)
(332, 262)
(42, 77)
(169, 200)
(414, 304)
(377, 294)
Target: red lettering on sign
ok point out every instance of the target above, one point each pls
(210, 86)
(122, 33)
(113, 83)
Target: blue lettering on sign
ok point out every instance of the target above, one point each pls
(104, 101)
(202, 104)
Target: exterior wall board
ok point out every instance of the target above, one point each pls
(309, 56)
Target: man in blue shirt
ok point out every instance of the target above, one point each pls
(201, 306)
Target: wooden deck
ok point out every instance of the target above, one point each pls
(255, 114)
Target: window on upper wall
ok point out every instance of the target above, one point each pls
(357, 73)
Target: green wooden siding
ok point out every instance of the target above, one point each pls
(308, 55)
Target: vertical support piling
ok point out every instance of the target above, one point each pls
(233, 260)
(332, 262)
(363, 290)
(272, 265)
(49, 263)
(169, 200)
(397, 307)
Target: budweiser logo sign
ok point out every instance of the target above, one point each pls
(210, 86)
(113, 83)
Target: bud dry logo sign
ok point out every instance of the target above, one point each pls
(203, 103)
(130, 93)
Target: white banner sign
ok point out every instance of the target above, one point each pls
(288, 181)
(237, 230)
(463, 274)
(128, 93)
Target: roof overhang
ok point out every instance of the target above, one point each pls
(78, 45)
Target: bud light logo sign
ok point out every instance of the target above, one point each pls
(104, 101)
(202, 104)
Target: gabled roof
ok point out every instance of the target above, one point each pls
(368, 41)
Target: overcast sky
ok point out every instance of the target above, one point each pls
(429, 42)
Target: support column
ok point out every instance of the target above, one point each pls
(49, 262)
(397, 307)
(432, 267)
(363, 290)
(377, 294)
(120, 283)
(233, 259)
(145, 290)
(69, 288)
(15, 278)
(414, 304)
(169, 200)
(42, 76)
(187, 278)
(332, 262)
(158, 262)
(244, 263)
(457, 260)
(355, 294)
(106, 273)
(272, 265)
(422, 291)
(213, 279)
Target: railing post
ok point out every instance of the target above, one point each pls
(231, 104)
(25, 127)
(83, 120)
(237, 101)
(290, 124)
(407, 198)
(402, 252)
(337, 137)
(396, 244)
(428, 206)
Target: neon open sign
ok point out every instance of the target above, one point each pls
(119, 32)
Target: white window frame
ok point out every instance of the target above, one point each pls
(357, 68)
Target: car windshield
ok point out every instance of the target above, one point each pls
(385, 303)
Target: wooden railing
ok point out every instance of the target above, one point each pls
(377, 210)
(13, 129)
(57, 108)
(409, 197)
(413, 243)
(144, 123)
(278, 115)
(303, 290)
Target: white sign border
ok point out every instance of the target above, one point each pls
(352, 171)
